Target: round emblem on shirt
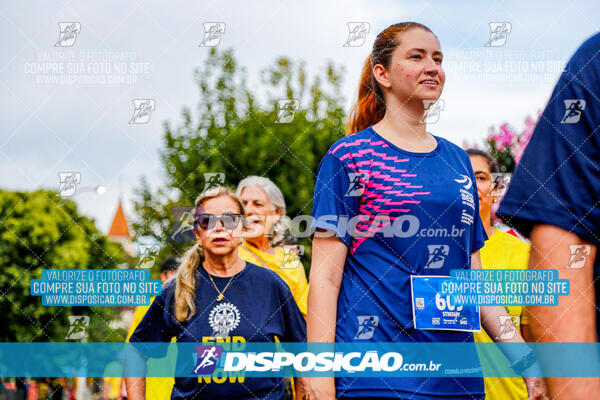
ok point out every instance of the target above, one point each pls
(223, 319)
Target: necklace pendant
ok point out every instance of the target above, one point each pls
(220, 297)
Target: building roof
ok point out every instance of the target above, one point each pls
(119, 224)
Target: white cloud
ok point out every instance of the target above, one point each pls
(167, 36)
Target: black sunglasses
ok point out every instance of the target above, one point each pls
(209, 221)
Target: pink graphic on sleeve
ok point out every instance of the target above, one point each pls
(387, 191)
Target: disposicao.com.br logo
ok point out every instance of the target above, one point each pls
(370, 361)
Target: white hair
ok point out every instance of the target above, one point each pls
(275, 197)
(273, 193)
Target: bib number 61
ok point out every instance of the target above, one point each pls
(444, 302)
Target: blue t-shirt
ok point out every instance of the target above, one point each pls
(557, 181)
(257, 307)
(415, 214)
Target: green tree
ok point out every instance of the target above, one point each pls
(233, 133)
(40, 230)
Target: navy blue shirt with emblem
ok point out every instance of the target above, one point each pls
(411, 214)
(557, 181)
(258, 306)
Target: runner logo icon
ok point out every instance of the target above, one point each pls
(573, 110)
(366, 326)
(579, 253)
(498, 33)
(357, 184)
(207, 359)
(68, 33)
(357, 33)
(437, 255)
(212, 34)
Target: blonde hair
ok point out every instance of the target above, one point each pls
(185, 281)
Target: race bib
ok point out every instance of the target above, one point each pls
(432, 311)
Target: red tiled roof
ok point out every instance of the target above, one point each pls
(119, 224)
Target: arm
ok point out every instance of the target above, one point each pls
(148, 326)
(136, 388)
(135, 365)
(550, 249)
(328, 259)
(301, 385)
(491, 322)
(490, 314)
(105, 389)
(526, 334)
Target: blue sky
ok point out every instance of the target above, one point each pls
(49, 128)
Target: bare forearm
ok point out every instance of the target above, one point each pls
(301, 387)
(573, 319)
(491, 315)
(490, 319)
(136, 388)
(321, 324)
(526, 334)
(329, 255)
(550, 250)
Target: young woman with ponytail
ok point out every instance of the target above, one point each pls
(403, 188)
(217, 296)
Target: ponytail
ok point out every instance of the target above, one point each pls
(370, 105)
(185, 286)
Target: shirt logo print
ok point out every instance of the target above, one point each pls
(437, 255)
(366, 326)
(223, 319)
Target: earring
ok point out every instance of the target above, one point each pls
(494, 201)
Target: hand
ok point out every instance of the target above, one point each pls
(536, 388)
(301, 387)
(318, 389)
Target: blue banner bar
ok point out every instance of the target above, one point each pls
(294, 359)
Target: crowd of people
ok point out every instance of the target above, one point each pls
(236, 283)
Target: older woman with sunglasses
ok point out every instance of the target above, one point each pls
(214, 298)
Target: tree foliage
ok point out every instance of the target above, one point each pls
(235, 133)
(40, 230)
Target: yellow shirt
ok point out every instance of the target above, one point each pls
(114, 385)
(114, 370)
(504, 251)
(156, 388)
(289, 268)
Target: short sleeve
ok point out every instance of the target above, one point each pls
(303, 300)
(138, 315)
(332, 207)
(300, 287)
(557, 181)
(156, 326)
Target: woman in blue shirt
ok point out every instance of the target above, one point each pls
(215, 298)
(408, 202)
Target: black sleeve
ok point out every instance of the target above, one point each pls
(558, 180)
